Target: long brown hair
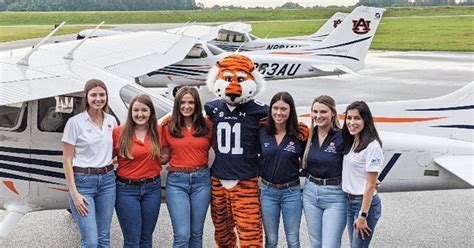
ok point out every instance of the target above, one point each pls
(88, 87)
(128, 132)
(369, 132)
(331, 104)
(292, 128)
(177, 119)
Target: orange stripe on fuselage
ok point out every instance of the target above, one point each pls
(393, 119)
(11, 186)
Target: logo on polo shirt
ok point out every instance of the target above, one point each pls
(376, 161)
(290, 147)
(331, 148)
(266, 144)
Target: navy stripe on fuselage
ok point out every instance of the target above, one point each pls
(456, 126)
(341, 56)
(389, 166)
(184, 69)
(444, 109)
(32, 170)
(47, 163)
(343, 44)
(30, 151)
(13, 176)
(163, 73)
(184, 72)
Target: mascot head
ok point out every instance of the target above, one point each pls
(235, 80)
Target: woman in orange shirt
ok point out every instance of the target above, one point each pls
(187, 137)
(137, 147)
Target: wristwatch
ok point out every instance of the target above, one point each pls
(363, 214)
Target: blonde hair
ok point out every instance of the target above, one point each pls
(331, 104)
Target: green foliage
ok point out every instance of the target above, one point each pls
(10, 33)
(96, 5)
(439, 29)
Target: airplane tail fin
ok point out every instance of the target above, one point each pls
(331, 24)
(448, 116)
(349, 43)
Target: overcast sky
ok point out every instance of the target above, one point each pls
(275, 3)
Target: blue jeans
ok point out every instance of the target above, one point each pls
(188, 196)
(137, 210)
(288, 202)
(325, 211)
(353, 208)
(99, 190)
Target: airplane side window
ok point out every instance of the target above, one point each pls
(13, 117)
(239, 38)
(222, 37)
(49, 120)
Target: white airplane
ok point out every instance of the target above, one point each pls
(428, 144)
(41, 88)
(343, 51)
(236, 36)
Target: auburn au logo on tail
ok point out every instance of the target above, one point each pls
(336, 23)
(361, 26)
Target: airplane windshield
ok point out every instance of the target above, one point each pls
(162, 105)
(253, 37)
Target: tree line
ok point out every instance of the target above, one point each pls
(126, 5)
(95, 5)
(414, 3)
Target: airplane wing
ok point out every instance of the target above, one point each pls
(461, 166)
(135, 54)
(202, 32)
(29, 84)
(238, 27)
(335, 67)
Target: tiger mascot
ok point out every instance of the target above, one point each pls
(236, 118)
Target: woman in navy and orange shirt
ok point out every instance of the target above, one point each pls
(187, 138)
(137, 146)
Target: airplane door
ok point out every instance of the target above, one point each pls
(48, 121)
(14, 151)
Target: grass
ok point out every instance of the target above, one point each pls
(402, 34)
(11, 33)
(441, 29)
(111, 17)
(427, 34)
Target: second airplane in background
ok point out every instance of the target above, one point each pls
(343, 51)
(236, 36)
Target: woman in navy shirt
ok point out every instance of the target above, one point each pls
(324, 202)
(281, 150)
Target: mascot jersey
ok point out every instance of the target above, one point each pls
(236, 151)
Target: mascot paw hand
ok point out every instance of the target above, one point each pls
(166, 121)
(304, 131)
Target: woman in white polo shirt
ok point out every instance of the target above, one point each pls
(87, 162)
(363, 161)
